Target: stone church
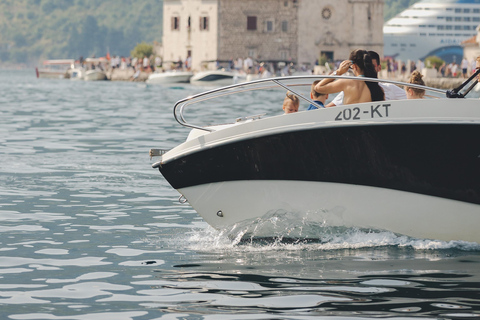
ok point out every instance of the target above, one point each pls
(270, 30)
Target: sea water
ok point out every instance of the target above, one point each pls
(88, 230)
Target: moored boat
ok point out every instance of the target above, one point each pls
(95, 69)
(55, 69)
(174, 76)
(217, 78)
(408, 166)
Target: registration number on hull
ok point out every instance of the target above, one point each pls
(375, 111)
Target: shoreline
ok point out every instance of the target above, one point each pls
(128, 75)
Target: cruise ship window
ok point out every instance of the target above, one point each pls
(476, 10)
(466, 27)
(476, 19)
(448, 27)
(458, 19)
(440, 27)
(440, 18)
(458, 10)
(466, 10)
(466, 19)
(458, 27)
(449, 19)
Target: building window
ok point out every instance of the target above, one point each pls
(204, 23)
(176, 23)
(283, 55)
(251, 23)
(449, 19)
(269, 26)
(252, 52)
(285, 3)
(476, 10)
(284, 26)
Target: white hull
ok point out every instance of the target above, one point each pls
(170, 77)
(94, 75)
(217, 78)
(332, 204)
(407, 166)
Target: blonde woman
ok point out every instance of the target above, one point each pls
(415, 93)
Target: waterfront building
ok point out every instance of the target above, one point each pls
(299, 31)
(432, 28)
(471, 47)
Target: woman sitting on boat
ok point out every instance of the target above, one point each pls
(415, 93)
(355, 91)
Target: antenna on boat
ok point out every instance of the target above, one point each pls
(454, 93)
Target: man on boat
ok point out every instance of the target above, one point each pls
(392, 92)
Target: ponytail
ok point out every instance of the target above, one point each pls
(364, 61)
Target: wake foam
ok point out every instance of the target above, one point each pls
(290, 231)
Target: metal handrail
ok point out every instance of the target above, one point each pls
(277, 82)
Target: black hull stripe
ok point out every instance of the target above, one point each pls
(441, 160)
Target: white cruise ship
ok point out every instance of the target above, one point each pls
(431, 27)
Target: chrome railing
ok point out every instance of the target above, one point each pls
(287, 83)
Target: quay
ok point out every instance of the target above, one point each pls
(437, 82)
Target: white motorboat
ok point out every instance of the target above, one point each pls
(77, 73)
(95, 69)
(168, 77)
(411, 167)
(217, 78)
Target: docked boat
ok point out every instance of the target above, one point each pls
(55, 69)
(217, 78)
(411, 167)
(168, 77)
(95, 69)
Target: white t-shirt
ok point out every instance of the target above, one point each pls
(392, 92)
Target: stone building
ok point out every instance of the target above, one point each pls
(270, 30)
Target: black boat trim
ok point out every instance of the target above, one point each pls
(441, 160)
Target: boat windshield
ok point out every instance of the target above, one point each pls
(262, 96)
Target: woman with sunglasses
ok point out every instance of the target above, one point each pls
(355, 91)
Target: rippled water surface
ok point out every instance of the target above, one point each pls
(88, 230)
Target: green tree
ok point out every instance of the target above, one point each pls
(434, 61)
(142, 50)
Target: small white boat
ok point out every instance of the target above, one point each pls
(407, 166)
(95, 69)
(76, 73)
(55, 69)
(217, 78)
(95, 75)
(174, 76)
